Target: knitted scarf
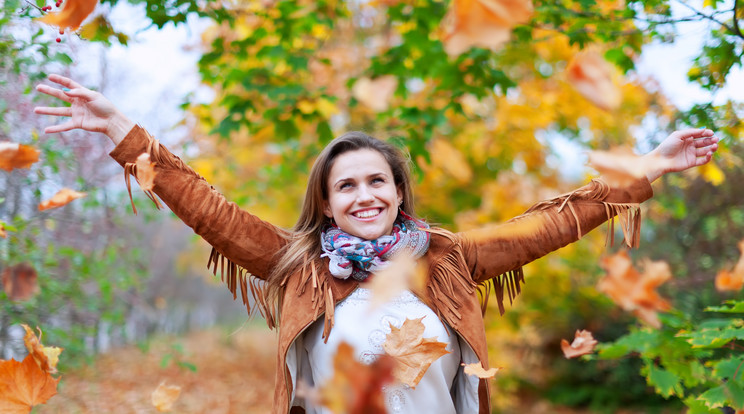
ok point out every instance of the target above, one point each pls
(357, 257)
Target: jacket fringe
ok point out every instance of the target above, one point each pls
(235, 276)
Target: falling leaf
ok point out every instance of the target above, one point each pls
(63, 197)
(412, 352)
(3, 232)
(20, 282)
(734, 280)
(164, 396)
(633, 291)
(14, 156)
(375, 93)
(620, 167)
(582, 344)
(478, 371)
(145, 172)
(24, 385)
(483, 23)
(591, 76)
(72, 14)
(45, 356)
(403, 273)
(356, 387)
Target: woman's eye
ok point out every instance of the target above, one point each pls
(378, 180)
(344, 186)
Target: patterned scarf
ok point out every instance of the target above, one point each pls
(357, 257)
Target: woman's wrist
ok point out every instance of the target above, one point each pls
(118, 128)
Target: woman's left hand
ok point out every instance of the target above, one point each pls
(684, 149)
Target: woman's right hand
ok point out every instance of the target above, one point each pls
(88, 110)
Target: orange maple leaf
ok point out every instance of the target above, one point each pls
(356, 387)
(19, 282)
(375, 93)
(582, 344)
(412, 352)
(145, 172)
(24, 385)
(63, 197)
(591, 76)
(477, 370)
(14, 156)
(403, 273)
(633, 291)
(164, 396)
(734, 280)
(484, 23)
(621, 167)
(45, 356)
(72, 14)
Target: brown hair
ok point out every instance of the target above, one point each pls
(304, 245)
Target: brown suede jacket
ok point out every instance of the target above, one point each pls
(244, 250)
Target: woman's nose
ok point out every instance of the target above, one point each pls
(364, 195)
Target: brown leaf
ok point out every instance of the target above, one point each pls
(63, 197)
(483, 23)
(591, 76)
(620, 167)
(24, 385)
(478, 371)
(20, 282)
(356, 387)
(14, 156)
(375, 93)
(403, 273)
(633, 291)
(412, 352)
(582, 344)
(164, 396)
(734, 280)
(72, 14)
(45, 356)
(145, 172)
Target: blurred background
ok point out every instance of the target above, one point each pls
(497, 113)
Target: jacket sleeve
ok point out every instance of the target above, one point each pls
(240, 240)
(498, 252)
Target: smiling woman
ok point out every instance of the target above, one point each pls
(358, 215)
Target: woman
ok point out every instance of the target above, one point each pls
(357, 213)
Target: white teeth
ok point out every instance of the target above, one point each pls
(367, 213)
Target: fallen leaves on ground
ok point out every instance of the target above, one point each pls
(412, 352)
(375, 93)
(582, 344)
(591, 76)
(20, 282)
(24, 385)
(356, 387)
(621, 167)
(633, 291)
(45, 356)
(145, 172)
(403, 273)
(72, 14)
(483, 23)
(13, 155)
(164, 396)
(478, 371)
(63, 197)
(734, 280)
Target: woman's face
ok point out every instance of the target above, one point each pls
(362, 196)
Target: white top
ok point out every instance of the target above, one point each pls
(366, 329)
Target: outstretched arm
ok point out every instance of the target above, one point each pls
(88, 110)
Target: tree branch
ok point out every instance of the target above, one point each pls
(737, 30)
(713, 19)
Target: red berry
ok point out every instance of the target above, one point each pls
(61, 31)
(59, 40)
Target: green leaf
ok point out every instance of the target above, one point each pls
(714, 397)
(730, 306)
(664, 382)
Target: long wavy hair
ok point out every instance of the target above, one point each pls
(304, 244)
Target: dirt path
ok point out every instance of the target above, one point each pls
(234, 373)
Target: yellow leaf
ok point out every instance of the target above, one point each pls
(72, 14)
(14, 156)
(45, 356)
(591, 76)
(24, 385)
(403, 273)
(620, 167)
(164, 396)
(412, 352)
(712, 174)
(478, 371)
(3, 232)
(145, 172)
(63, 197)
(375, 93)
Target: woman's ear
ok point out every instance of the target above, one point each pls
(400, 196)
(327, 209)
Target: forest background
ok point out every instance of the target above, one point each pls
(488, 128)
